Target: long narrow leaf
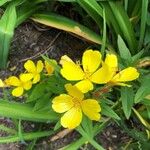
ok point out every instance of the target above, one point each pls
(125, 25)
(7, 25)
(26, 136)
(66, 24)
(25, 112)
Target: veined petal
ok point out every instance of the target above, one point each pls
(91, 108)
(36, 78)
(91, 60)
(72, 118)
(70, 70)
(24, 77)
(84, 86)
(13, 81)
(17, 91)
(30, 66)
(27, 85)
(101, 76)
(127, 74)
(74, 91)
(62, 103)
(39, 66)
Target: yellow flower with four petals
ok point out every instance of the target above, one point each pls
(91, 60)
(34, 70)
(22, 83)
(72, 105)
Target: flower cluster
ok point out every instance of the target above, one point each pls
(28, 78)
(92, 70)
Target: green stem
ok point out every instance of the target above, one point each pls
(8, 130)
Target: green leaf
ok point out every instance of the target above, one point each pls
(7, 26)
(124, 51)
(143, 90)
(127, 99)
(38, 91)
(125, 25)
(42, 102)
(25, 112)
(108, 111)
(143, 22)
(26, 136)
(63, 23)
(2, 2)
(56, 85)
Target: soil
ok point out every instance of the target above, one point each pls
(29, 42)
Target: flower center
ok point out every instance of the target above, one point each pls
(77, 102)
(87, 75)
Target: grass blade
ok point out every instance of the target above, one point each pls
(125, 25)
(2, 2)
(26, 136)
(143, 22)
(25, 112)
(66, 24)
(7, 25)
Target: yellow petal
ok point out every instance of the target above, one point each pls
(91, 108)
(30, 66)
(13, 81)
(70, 70)
(74, 91)
(84, 86)
(62, 103)
(72, 118)
(49, 68)
(36, 78)
(17, 91)
(91, 60)
(39, 66)
(27, 85)
(127, 74)
(24, 77)
(2, 83)
(111, 61)
(101, 76)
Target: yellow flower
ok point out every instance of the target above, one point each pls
(72, 105)
(108, 73)
(22, 83)
(49, 68)
(91, 60)
(34, 70)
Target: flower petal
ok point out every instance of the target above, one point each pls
(13, 81)
(36, 78)
(91, 60)
(62, 103)
(30, 66)
(2, 84)
(39, 66)
(27, 85)
(70, 70)
(17, 91)
(127, 74)
(24, 77)
(111, 61)
(72, 118)
(91, 108)
(84, 86)
(74, 91)
(101, 76)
